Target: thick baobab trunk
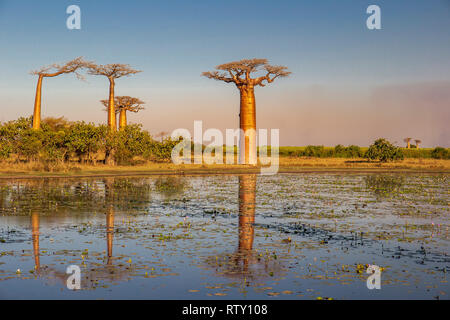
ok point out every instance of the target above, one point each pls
(247, 141)
(35, 238)
(37, 104)
(417, 145)
(111, 108)
(122, 119)
(247, 198)
(409, 145)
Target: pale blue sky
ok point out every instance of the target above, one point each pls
(339, 66)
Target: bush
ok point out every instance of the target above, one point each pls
(384, 151)
(440, 153)
(59, 140)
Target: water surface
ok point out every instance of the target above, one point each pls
(289, 236)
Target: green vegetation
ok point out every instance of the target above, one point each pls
(352, 151)
(61, 141)
(384, 151)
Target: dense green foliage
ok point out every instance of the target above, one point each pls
(323, 152)
(384, 151)
(440, 153)
(62, 141)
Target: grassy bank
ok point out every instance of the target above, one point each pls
(287, 164)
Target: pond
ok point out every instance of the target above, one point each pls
(288, 236)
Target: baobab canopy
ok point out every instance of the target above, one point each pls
(239, 72)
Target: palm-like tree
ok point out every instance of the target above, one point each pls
(239, 73)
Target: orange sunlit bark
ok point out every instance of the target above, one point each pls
(35, 238)
(239, 73)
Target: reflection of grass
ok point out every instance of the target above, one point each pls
(47, 196)
(170, 186)
(383, 185)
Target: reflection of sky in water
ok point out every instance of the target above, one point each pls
(194, 237)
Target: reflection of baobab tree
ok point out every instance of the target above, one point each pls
(35, 239)
(245, 262)
(69, 196)
(43, 272)
(93, 274)
(109, 233)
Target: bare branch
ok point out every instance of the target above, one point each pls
(112, 71)
(72, 66)
(217, 76)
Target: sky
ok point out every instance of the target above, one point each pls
(349, 85)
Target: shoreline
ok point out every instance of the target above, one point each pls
(210, 170)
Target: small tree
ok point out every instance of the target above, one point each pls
(417, 141)
(440, 153)
(408, 142)
(54, 70)
(112, 72)
(124, 104)
(384, 151)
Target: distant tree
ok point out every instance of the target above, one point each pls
(56, 124)
(440, 153)
(124, 104)
(408, 142)
(161, 135)
(112, 72)
(384, 151)
(417, 141)
(54, 70)
(239, 73)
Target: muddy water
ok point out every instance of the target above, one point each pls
(297, 236)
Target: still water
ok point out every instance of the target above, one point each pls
(289, 236)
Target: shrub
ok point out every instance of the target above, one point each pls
(440, 153)
(384, 151)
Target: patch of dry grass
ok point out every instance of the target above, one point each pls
(429, 164)
(287, 164)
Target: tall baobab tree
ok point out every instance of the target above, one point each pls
(124, 104)
(239, 73)
(417, 141)
(54, 70)
(408, 142)
(112, 72)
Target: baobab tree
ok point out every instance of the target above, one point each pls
(239, 73)
(417, 141)
(408, 142)
(54, 70)
(122, 105)
(112, 72)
